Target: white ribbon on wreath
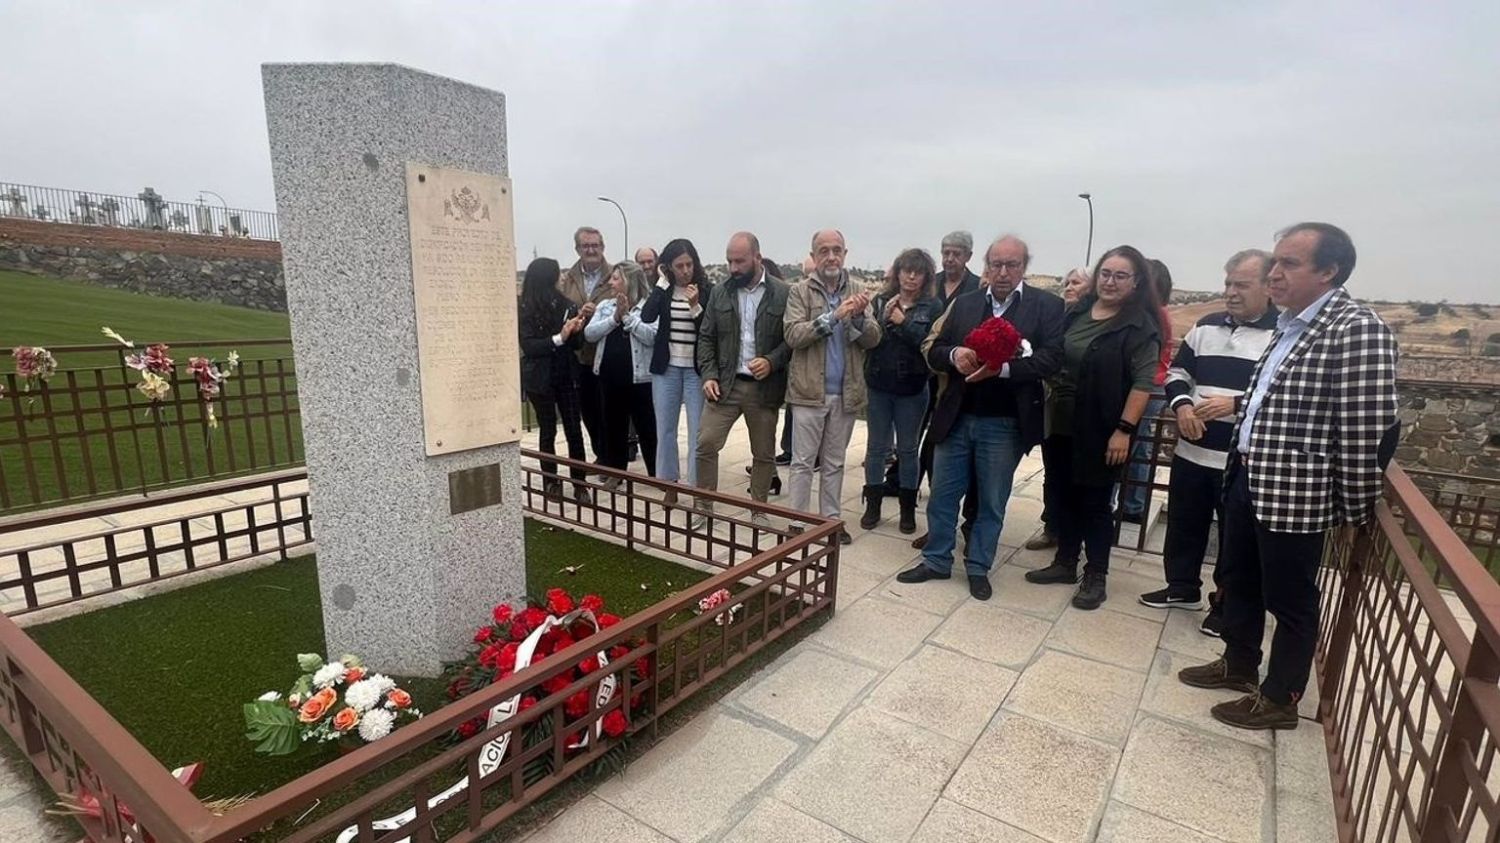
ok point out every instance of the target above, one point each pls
(493, 753)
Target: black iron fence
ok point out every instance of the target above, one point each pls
(146, 210)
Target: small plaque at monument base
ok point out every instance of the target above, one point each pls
(474, 488)
(463, 264)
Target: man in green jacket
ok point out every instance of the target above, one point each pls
(742, 359)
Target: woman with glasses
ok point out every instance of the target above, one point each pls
(550, 329)
(676, 308)
(896, 376)
(1110, 353)
(622, 363)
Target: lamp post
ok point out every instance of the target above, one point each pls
(626, 249)
(1088, 252)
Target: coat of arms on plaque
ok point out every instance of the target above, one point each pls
(466, 205)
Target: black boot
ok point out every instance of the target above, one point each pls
(873, 495)
(908, 511)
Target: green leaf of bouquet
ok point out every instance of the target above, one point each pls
(272, 726)
(309, 662)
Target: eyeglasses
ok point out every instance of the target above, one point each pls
(830, 251)
(1000, 266)
(1106, 275)
(590, 247)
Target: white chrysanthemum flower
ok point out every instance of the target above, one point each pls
(363, 695)
(328, 675)
(385, 683)
(269, 696)
(376, 725)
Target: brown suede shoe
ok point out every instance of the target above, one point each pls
(1216, 674)
(1254, 711)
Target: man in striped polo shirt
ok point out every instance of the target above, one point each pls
(1212, 368)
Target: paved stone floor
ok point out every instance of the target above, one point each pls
(920, 714)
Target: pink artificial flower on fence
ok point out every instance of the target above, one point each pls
(34, 366)
(207, 374)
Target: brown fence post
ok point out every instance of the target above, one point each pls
(1466, 734)
(1342, 627)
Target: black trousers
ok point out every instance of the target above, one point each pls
(1081, 516)
(1268, 571)
(625, 403)
(1053, 484)
(561, 404)
(590, 405)
(1195, 496)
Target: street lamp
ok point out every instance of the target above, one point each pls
(626, 249)
(1088, 252)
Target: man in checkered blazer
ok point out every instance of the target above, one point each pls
(1304, 457)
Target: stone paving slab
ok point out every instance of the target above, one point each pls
(1036, 776)
(591, 818)
(876, 631)
(1106, 636)
(950, 822)
(773, 820)
(1209, 783)
(1124, 824)
(807, 692)
(873, 776)
(944, 691)
(992, 634)
(1088, 697)
(700, 773)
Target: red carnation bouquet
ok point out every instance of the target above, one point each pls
(995, 340)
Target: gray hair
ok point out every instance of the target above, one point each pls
(962, 239)
(1081, 271)
(1025, 248)
(1246, 254)
(585, 229)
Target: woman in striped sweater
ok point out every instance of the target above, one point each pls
(676, 305)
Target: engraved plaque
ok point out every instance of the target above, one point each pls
(474, 488)
(463, 270)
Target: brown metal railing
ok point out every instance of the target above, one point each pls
(791, 580)
(209, 524)
(1408, 664)
(1471, 506)
(89, 434)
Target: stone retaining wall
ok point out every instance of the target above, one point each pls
(1451, 427)
(227, 270)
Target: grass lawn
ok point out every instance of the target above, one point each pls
(49, 311)
(175, 668)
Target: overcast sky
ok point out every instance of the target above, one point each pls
(1199, 127)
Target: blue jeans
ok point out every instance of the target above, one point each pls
(669, 391)
(887, 414)
(993, 446)
(1140, 470)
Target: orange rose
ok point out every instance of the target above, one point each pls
(346, 719)
(317, 705)
(353, 674)
(399, 698)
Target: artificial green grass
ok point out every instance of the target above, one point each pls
(174, 669)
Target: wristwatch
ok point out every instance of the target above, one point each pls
(1125, 426)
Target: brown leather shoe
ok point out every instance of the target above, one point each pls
(1254, 711)
(1216, 674)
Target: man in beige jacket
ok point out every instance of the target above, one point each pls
(585, 284)
(828, 326)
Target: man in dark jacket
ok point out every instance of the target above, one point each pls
(986, 419)
(742, 359)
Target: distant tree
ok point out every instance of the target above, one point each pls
(1461, 334)
(1427, 309)
(1493, 339)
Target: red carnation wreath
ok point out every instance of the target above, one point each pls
(995, 340)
